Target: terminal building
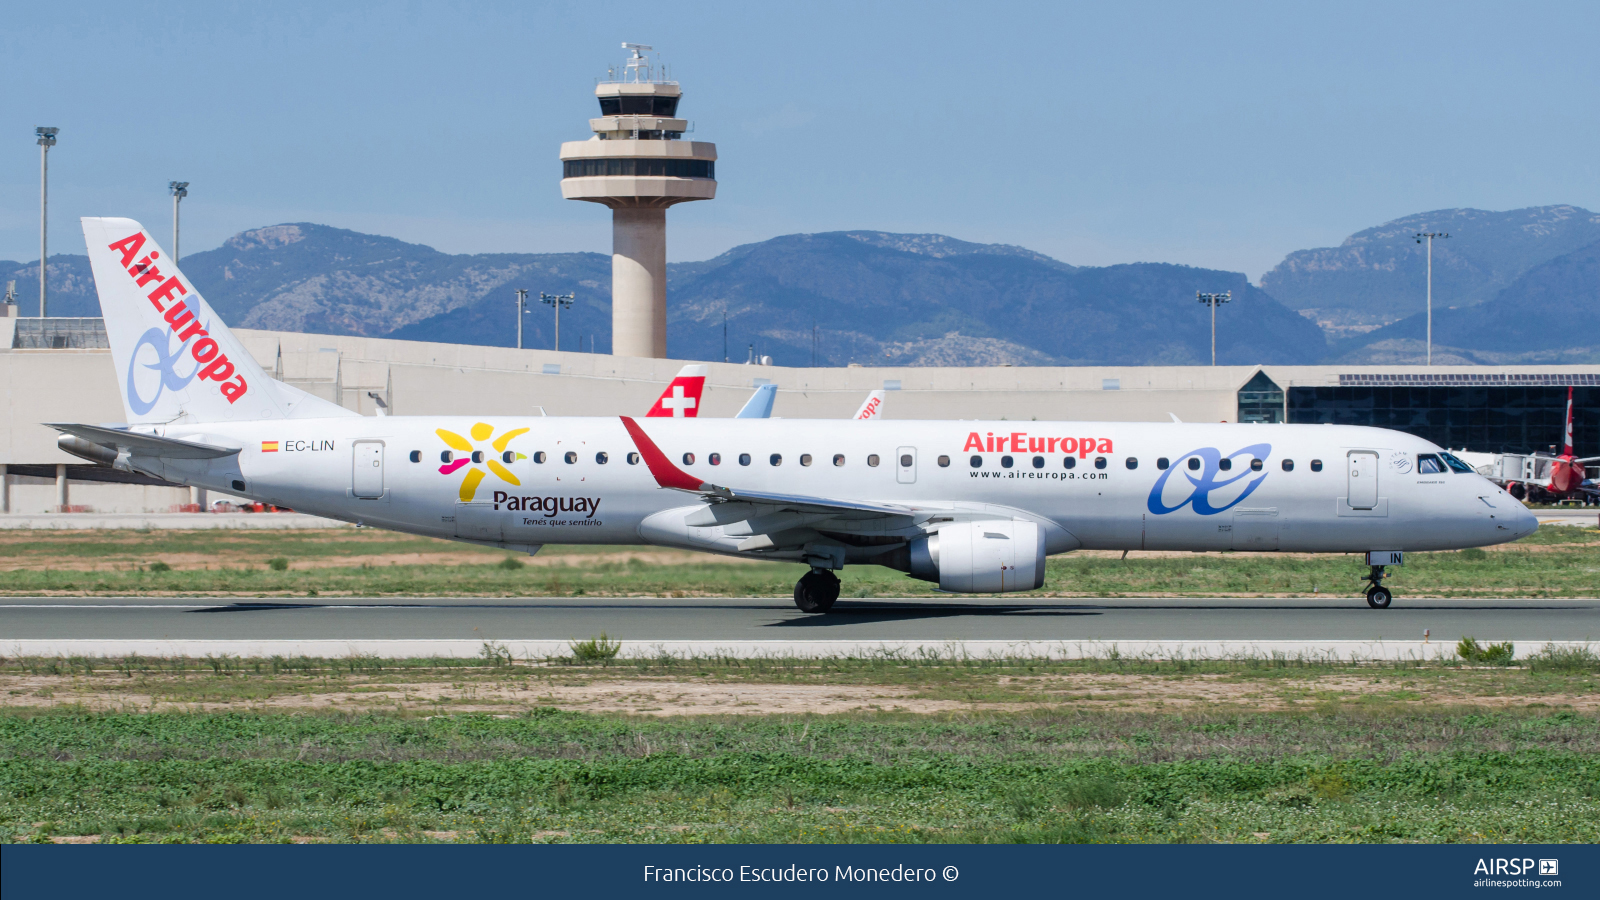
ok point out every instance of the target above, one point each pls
(59, 370)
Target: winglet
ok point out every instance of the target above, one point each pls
(666, 474)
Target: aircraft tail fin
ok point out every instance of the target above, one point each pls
(759, 406)
(174, 357)
(681, 399)
(872, 407)
(1566, 448)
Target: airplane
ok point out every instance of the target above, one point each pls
(681, 399)
(1540, 477)
(975, 507)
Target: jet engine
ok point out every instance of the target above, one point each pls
(983, 557)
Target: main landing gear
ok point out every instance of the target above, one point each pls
(1378, 596)
(816, 590)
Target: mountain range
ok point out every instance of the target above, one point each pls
(1525, 286)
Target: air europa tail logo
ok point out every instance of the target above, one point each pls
(183, 320)
(474, 476)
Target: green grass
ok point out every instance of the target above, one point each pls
(1341, 774)
(1554, 562)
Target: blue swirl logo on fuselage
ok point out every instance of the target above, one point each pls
(1203, 479)
(158, 340)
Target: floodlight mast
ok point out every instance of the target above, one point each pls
(1213, 301)
(47, 139)
(522, 301)
(1430, 235)
(180, 190)
(558, 301)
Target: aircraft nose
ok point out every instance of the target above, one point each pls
(1523, 524)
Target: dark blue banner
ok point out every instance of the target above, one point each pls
(1344, 872)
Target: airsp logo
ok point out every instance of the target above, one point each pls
(1400, 462)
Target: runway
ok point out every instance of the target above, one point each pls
(740, 621)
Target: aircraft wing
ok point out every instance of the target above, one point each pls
(670, 476)
(144, 444)
(759, 406)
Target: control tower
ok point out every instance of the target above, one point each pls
(638, 164)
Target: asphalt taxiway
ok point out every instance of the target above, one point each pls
(767, 619)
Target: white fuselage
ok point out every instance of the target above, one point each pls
(1350, 489)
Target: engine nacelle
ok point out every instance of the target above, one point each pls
(985, 557)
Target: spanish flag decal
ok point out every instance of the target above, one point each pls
(269, 446)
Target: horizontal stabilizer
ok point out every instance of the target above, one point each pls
(144, 444)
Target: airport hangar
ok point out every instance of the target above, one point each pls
(60, 370)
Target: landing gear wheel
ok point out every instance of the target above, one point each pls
(816, 590)
(1379, 597)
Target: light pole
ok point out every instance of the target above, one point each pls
(47, 139)
(522, 301)
(1214, 301)
(180, 190)
(1430, 235)
(558, 301)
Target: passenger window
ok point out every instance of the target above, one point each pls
(1133, 462)
(539, 457)
(944, 462)
(633, 459)
(1162, 463)
(838, 459)
(1038, 462)
(1255, 465)
(714, 458)
(775, 459)
(872, 460)
(1099, 462)
(905, 460)
(1225, 464)
(688, 459)
(744, 459)
(508, 457)
(1428, 464)
(1288, 465)
(446, 456)
(1194, 463)
(602, 458)
(416, 456)
(1069, 462)
(1316, 465)
(571, 457)
(805, 459)
(976, 461)
(477, 456)
(1006, 462)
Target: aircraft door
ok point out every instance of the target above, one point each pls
(479, 521)
(1363, 479)
(366, 477)
(905, 470)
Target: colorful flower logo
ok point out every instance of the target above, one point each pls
(480, 432)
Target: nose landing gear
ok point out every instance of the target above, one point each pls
(816, 590)
(1378, 596)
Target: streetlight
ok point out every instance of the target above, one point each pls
(1214, 301)
(180, 190)
(522, 299)
(558, 301)
(1430, 235)
(47, 139)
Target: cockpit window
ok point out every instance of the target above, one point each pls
(1428, 464)
(1456, 464)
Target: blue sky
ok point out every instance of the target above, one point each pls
(1219, 135)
